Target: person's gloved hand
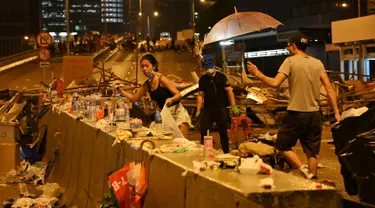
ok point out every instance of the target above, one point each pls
(197, 114)
(235, 110)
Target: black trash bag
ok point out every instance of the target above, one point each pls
(352, 149)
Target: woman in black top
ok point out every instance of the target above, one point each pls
(162, 91)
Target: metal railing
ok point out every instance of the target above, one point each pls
(17, 57)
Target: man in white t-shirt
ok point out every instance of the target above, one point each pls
(305, 75)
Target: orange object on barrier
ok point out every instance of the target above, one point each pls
(236, 121)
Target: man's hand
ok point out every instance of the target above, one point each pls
(337, 117)
(169, 102)
(253, 69)
(236, 111)
(197, 114)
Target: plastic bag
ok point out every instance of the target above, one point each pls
(169, 124)
(129, 185)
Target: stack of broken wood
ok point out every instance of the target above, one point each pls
(11, 109)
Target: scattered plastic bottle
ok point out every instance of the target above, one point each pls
(108, 111)
(158, 120)
(75, 103)
(120, 110)
(127, 113)
(92, 116)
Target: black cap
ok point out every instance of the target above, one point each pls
(299, 39)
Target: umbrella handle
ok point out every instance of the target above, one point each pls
(141, 147)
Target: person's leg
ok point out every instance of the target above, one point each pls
(311, 141)
(205, 123)
(287, 138)
(184, 128)
(313, 165)
(292, 158)
(222, 120)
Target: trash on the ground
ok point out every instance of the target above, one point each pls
(254, 165)
(353, 112)
(252, 148)
(320, 165)
(50, 189)
(267, 183)
(23, 202)
(179, 145)
(122, 135)
(268, 136)
(104, 125)
(204, 165)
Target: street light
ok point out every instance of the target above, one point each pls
(148, 22)
(193, 13)
(26, 37)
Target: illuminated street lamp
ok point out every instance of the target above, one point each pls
(193, 13)
(156, 14)
(26, 37)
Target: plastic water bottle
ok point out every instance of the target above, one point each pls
(92, 108)
(87, 106)
(108, 114)
(127, 113)
(98, 103)
(158, 120)
(120, 110)
(82, 106)
(208, 145)
(75, 104)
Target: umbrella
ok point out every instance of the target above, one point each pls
(238, 24)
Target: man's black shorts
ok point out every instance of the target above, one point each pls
(306, 126)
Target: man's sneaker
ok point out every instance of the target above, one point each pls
(304, 169)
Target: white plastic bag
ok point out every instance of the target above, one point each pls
(168, 122)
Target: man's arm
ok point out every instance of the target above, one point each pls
(231, 97)
(273, 82)
(332, 98)
(200, 100)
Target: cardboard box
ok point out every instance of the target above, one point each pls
(8, 133)
(9, 157)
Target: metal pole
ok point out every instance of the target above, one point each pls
(141, 17)
(67, 27)
(148, 25)
(193, 15)
(359, 8)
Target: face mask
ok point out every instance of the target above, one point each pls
(210, 71)
(151, 74)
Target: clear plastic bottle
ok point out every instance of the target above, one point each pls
(92, 116)
(158, 120)
(127, 112)
(120, 110)
(98, 102)
(108, 114)
(75, 104)
(87, 106)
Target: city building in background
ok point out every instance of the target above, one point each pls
(112, 15)
(19, 20)
(85, 15)
(53, 16)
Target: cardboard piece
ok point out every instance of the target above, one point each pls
(9, 157)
